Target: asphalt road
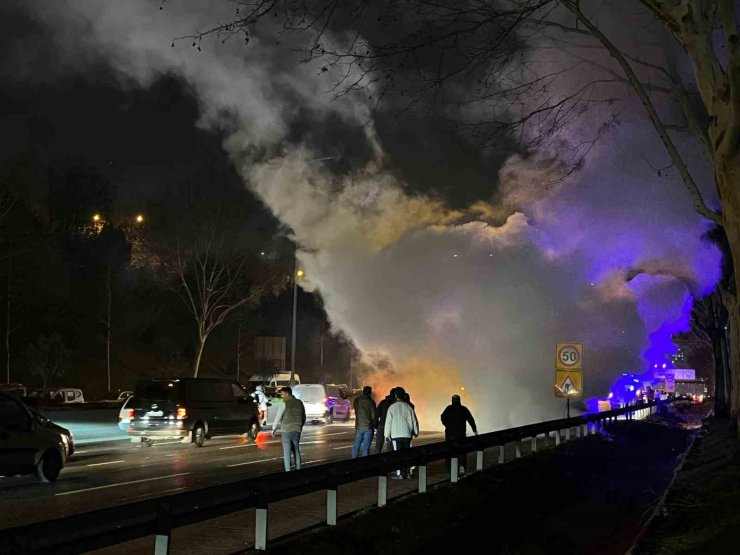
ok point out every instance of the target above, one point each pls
(100, 476)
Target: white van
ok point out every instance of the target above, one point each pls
(273, 380)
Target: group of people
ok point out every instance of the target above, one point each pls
(393, 421)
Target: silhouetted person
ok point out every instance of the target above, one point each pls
(381, 412)
(365, 419)
(454, 418)
(290, 418)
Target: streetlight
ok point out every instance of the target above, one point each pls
(96, 217)
(297, 274)
(139, 218)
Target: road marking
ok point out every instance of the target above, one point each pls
(343, 447)
(120, 484)
(104, 463)
(247, 445)
(317, 460)
(254, 462)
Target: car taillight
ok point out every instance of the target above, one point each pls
(129, 415)
(182, 413)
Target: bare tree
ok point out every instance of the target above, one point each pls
(214, 278)
(47, 358)
(414, 53)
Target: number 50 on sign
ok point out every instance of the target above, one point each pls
(569, 356)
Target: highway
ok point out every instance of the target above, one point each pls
(105, 475)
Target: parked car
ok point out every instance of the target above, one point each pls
(323, 402)
(31, 443)
(192, 409)
(58, 396)
(15, 389)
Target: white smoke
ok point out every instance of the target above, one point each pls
(452, 299)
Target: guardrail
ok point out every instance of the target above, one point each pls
(105, 527)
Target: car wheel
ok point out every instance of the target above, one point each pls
(330, 417)
(199, 435)
(49, 467)
(253, 431)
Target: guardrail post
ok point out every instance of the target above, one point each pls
(331, 500)
(454, 470)
(383, 484)
(422, 473)
(479, 460)
(567, 434)
(162, 530)
(557, 437)
(260, 521)
(501, 454)
(534, 444)
(518, 448)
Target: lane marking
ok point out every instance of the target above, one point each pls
(104, 463)
(254, 462)
(343, 447)
(120, 484)
(317, 460)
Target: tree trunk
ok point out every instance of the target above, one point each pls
(727, 175)
(199, 354)
(108, 327)
(7, 317)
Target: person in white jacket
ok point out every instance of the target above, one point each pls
(400, 426)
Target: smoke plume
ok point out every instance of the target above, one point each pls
(440, 298)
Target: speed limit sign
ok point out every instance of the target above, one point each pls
(569, 356)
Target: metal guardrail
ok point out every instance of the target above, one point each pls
(105, 527)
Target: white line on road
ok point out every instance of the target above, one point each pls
(254, 462)
(121, 484)
(343, 447)
(104, 463)
(317, 460)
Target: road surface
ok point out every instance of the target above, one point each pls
(122, 472)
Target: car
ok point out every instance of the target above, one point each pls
(323, 402)
(31, 443)
(58, 396)
(190, 409)
(15, 389)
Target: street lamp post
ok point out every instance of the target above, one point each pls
(296, 274)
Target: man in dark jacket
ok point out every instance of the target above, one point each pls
(381, 412)
(454, 419)
(365, 419)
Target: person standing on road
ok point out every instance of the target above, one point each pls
(261, 399)
(400, 426)
(454, 419)
(381, 412)
(290, 418)
(365, 417)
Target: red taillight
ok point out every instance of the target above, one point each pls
(182, 413)
(129, 415)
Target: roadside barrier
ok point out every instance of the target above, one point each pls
(105, 527)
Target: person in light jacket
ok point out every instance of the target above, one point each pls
(400, 426)
(290, 418)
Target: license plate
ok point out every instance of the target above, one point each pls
(155, 413)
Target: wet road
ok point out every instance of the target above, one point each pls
(105, 476)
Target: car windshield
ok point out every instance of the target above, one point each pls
(159, 390)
